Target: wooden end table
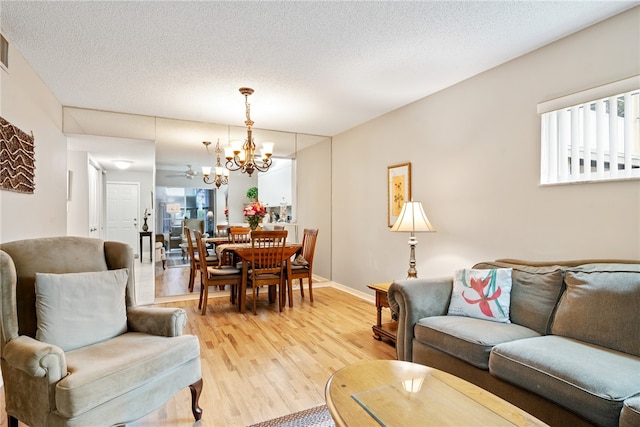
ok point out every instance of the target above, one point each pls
(389, 329)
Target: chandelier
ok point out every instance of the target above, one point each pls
(242, 156)
(221, 173)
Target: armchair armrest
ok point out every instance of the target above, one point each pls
(36, 358)
(162, 321)
(412, 300)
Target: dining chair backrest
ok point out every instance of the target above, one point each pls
(309, 237)
(190, 244)
(267, 251)
(200, 246)
(221, 230)
(239, 235)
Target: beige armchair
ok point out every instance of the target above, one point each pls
(109, 363)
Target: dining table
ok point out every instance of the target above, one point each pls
(242, 251)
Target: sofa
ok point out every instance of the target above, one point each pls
(569, 354)
(75, 349)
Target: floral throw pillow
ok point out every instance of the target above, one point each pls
(483, 294)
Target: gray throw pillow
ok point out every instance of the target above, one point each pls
(78, 309)
(600, 306)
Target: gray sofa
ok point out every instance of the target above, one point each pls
(570, 356)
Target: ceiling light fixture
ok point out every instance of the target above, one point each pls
(122, 164)
(221, 173)
(241, 156)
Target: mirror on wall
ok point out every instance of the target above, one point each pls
(178, 150)
(108, 202)
(180, 155)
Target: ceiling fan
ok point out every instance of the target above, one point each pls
(189, 173)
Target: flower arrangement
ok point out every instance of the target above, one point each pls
(145, 226)
(254, 214)
(226, 214)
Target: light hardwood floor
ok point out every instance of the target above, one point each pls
(261, 367)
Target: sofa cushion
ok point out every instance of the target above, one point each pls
(630, 415)
(127, 362)
(483, 294)
(591, 380)
(534, 293)
(468, 338)
(78, 309)
(598, 305)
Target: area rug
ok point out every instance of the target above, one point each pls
(314, 417)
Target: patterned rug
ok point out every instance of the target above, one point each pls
(314, 417)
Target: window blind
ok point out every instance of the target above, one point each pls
(596, 140)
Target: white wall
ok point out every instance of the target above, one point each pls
(313, 194)
(78, 204)
(274, 185)
(474, 150)
(28, 104)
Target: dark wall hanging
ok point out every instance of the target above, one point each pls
(17, 159)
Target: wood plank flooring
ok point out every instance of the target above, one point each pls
(259, 367)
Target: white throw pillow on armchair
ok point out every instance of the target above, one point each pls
(78, 309)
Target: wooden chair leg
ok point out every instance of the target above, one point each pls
(301, 288)
(255, 297)
(310, 289)
(191, 279)
(196, 390)
(200, 300)
(205, 299)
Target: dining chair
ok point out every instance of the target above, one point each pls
(195, 256)
(302, 264)
(221, 230)
(239, 235)
(267, 263)
(215, 276)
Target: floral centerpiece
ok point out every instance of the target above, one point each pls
(254, 214)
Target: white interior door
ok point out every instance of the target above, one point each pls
(123, 199)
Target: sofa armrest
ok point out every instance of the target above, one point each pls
(162, 321)
(413, 299)
(36, 358)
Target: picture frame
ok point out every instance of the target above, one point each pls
(398, 190)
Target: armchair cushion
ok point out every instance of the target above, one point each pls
(98, 299)
(126, 362)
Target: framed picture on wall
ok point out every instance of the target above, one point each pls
(398, 189)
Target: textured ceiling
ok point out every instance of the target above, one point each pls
(317, 67)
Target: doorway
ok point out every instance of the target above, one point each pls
(122, 207)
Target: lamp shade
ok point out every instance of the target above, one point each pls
(412, 218)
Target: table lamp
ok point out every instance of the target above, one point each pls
(413, 219)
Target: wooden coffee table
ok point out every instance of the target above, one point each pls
(396, 393)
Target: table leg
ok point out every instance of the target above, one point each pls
(242, 297)
(289, 283)
(140, 247)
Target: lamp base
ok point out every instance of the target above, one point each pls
(412, 273)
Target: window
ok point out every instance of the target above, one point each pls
(594, 140)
